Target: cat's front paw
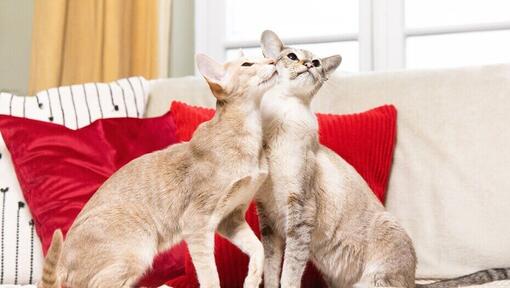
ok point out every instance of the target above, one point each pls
(289, 285)
(286, 282)
(252, 282)
(254, 277)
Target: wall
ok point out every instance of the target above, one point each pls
(15, 43)
(182, 48)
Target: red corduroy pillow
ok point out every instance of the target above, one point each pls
(60, 169)
(365, 140)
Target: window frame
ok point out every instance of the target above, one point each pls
(381, 36)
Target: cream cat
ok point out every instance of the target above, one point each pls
(314, 205)
(185, 192)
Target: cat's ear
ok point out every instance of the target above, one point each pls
(329, 64)
(212, 71)
(271, 44)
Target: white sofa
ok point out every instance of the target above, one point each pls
(450, 181)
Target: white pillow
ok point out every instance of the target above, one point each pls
(74, 106)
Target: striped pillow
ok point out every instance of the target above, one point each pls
(73, 106)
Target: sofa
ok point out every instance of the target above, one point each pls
(450, 179)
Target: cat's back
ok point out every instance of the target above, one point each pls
(345, 196)
(346, 211)
(342, 179)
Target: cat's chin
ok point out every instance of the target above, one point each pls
(304, 81)
(270, 81)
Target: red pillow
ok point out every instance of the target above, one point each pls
(60, 169)
(365, 140)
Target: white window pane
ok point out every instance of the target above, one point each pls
(348, 51)
(246, 19)
(434, 13)
(454, 50)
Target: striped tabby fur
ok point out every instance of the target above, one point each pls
(477, 278)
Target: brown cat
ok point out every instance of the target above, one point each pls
(185, 192)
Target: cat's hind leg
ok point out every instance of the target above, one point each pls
(394, 271)
(392, 260)
(383, 281)
(124, 274)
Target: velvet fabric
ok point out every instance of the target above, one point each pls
(59, 169)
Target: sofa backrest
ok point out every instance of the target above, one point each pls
(450, 182)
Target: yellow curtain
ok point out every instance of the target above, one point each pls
(76, 41)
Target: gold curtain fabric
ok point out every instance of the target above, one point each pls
(76, 41)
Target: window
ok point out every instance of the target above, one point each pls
(300, 22)
(225, 26)
(457, 32)
(369, 34)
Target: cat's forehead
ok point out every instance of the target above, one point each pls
(243, 59)
(300, 53)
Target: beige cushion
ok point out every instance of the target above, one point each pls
(450, 183)
(191, 90)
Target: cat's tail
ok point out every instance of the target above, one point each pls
(50, 276)
(477, 278)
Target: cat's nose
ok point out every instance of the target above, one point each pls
(271, 61)
(308, 64)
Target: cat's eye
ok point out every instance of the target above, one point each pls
(246, 64)
(292, 56)
(316, 63)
